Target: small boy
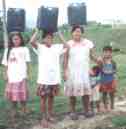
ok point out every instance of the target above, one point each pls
(108, 78)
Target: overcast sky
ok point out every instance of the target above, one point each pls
(98, 10)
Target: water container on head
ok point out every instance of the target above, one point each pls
(47, 18)
(15, 20)
(77, 14)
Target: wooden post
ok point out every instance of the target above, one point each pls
(4, 24)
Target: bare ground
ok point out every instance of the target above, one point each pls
(101, 121)
(32, 120)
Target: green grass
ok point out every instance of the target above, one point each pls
(120, 59)
(119, 121)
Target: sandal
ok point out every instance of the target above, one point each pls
(89, 114)
(73, 116)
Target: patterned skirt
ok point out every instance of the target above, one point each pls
(109, 87)
(47, 90)
(78, 82)
(17, 92)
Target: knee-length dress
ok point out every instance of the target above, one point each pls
(78, 82)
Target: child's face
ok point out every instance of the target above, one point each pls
(77, 34)
(107, 54)
(16, 40)
(48, 40)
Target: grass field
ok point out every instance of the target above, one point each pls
(100, 36)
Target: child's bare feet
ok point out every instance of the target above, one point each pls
(13, 119)
(108, 110)
(13, 115)
(103, 110)
(99, 111)
(44, 123)
(51, 118)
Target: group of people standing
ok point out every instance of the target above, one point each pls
(79, 78)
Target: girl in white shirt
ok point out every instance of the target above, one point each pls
(49, 77)
(15, 60)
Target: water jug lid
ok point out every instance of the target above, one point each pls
(49, 8)
(16, 9)
(77, 4)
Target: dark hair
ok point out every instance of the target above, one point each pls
(11, 44)
(45, 33)
(107, 48)
(77, 27)
(96, 69)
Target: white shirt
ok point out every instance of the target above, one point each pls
(16, 63)
(49, 64)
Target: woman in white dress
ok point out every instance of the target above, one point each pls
(76, 70)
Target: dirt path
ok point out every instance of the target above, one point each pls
(120, 106)
(98, 122)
